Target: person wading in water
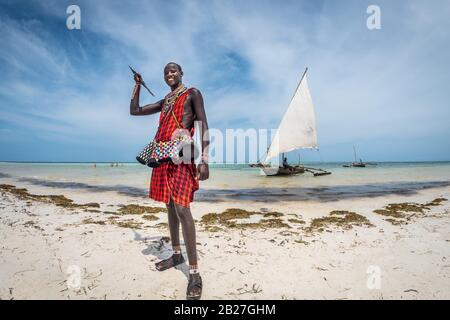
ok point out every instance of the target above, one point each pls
(175, 184)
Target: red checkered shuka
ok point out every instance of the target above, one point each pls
(169, 180)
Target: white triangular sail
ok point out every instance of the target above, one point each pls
(298, 127)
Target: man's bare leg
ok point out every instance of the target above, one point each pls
(194, 289)
(188, 229)
(174, 229)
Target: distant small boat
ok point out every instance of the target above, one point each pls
(359, 164)
(355, 164)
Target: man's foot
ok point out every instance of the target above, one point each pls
(170, 262)
(194, 288)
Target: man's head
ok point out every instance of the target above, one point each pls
(173, 74)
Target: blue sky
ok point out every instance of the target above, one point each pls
(64, 94)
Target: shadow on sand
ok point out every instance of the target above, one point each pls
(159, 247)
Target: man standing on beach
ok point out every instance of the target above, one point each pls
(175, 184)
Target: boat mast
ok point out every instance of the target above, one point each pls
(354, 152)
(304, 73)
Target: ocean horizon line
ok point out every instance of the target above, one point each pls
(213, 163)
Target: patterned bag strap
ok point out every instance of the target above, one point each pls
(176, 120)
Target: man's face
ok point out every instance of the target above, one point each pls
(172, 74)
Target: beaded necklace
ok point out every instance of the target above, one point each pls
(170, 99)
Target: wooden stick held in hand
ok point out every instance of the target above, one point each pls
(142, 81)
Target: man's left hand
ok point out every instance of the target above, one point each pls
(202, 171)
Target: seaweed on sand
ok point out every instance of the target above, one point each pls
(273, 223)
(395, 222)
(436, 202)
(92, 221)
(128, 224)
(150, 217)
(33, 224)
(58, 200)
(162, 225)
(92, 210)
(401, 213)
(292, 220)
(213, 228)
(224, 217)
(137, 209)
(114, 220)
(228, 217)
(273, 214)
(342, 219)
(401, 210)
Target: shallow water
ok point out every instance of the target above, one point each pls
(240, 182)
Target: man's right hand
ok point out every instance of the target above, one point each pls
(137, 78)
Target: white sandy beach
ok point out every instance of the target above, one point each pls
(42, 245)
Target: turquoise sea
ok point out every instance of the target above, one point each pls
(240, 182)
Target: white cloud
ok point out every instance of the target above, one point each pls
(359, 78)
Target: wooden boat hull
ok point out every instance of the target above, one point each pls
(282, 171)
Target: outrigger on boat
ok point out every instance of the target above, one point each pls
(297, 130)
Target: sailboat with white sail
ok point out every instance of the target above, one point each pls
(355, 164)
(297, 130)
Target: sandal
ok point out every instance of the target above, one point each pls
(170, 262)
(194, 289)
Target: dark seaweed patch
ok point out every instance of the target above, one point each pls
(401, 213)
(342, 219)
(137, 209)
(58, 200)
(150, 217)
(228, 217)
